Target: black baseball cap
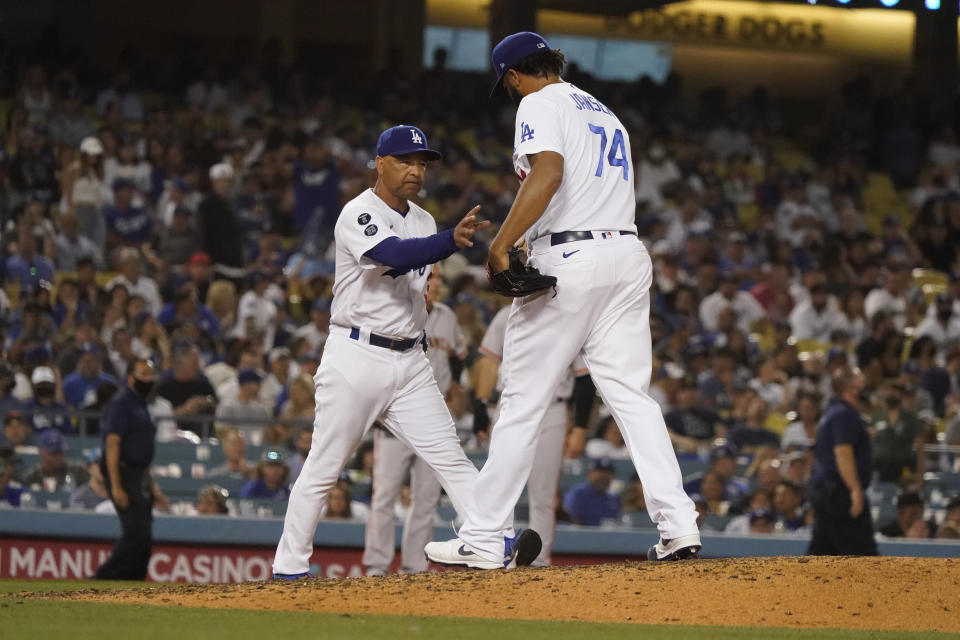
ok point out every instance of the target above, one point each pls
(404, 139)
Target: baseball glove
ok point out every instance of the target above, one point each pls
(519, 279)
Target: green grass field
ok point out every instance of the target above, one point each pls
(36, 618)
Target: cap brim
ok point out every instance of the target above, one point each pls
(432, 154)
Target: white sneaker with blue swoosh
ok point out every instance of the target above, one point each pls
(519, 551)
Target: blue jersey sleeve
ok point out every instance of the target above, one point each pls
(413, 253)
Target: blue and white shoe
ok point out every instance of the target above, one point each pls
(682, 548)
(523, 548)
(518, 551)
(292, 576)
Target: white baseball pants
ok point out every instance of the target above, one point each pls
(358, 384)
(601, 311)
(391, 459)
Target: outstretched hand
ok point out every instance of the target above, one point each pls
(465, 229)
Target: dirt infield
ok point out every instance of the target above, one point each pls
(857, 593)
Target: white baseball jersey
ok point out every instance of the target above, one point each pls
(369, 295)
(597, 188)
(492, 347)
(444, 337)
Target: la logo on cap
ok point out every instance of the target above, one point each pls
(540, 45)
(416, 137)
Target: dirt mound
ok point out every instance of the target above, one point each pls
(860, 593)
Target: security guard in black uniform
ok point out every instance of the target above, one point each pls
(128, 447)
(843, 465)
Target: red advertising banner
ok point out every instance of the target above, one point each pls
(54, 559)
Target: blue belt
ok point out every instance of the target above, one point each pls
(572, 236)
(393, 344)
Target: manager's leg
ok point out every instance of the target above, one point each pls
(352, 387)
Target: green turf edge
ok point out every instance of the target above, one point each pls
(29, 618)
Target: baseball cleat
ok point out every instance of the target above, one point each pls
(524, 548)
(454, 553)
(682, 548)
(292, 576)
(520, 550)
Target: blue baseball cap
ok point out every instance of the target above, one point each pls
(249, 375)
(404, 139)
(52, 441)
(513, 49)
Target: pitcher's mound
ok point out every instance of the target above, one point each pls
(861, 593)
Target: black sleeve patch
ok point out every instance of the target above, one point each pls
(371, 230)
(364, 218)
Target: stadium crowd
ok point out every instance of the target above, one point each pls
(189, 221)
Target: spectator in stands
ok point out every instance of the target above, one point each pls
(270, 479)
(590, 503)
(842, 523)
(788, 507)
(940, 324)
(712, 493)
(94, 493)
(899, 437)
(752, 434)
(301, 404)
(128, 225)
(257, 313)
(185, 386)
(33, 171)
(245, 412)
(318, 328)
(301, 449)
(219, 227)
(276, 381)
(45, 411)
(235, 464)
(723, 463)
(8, 380)
(10, 491)
(632, 499)
(16, 431)
(54, 471)
(178, 243)
(802, 433)
(740, 525)
(770, 383)
(761, 521)
(950, 527)
(690, 425)
(746, 309)
(80, 387)
(26, 265)
(909, 510)
(135, 282)
(71, 246)
(91, 294)
(892, 296)
(796, 465)
(816, 317)
(212, 501)
(608, 443)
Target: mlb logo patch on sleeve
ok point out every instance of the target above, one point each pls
(364, 218)
(371, 230)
